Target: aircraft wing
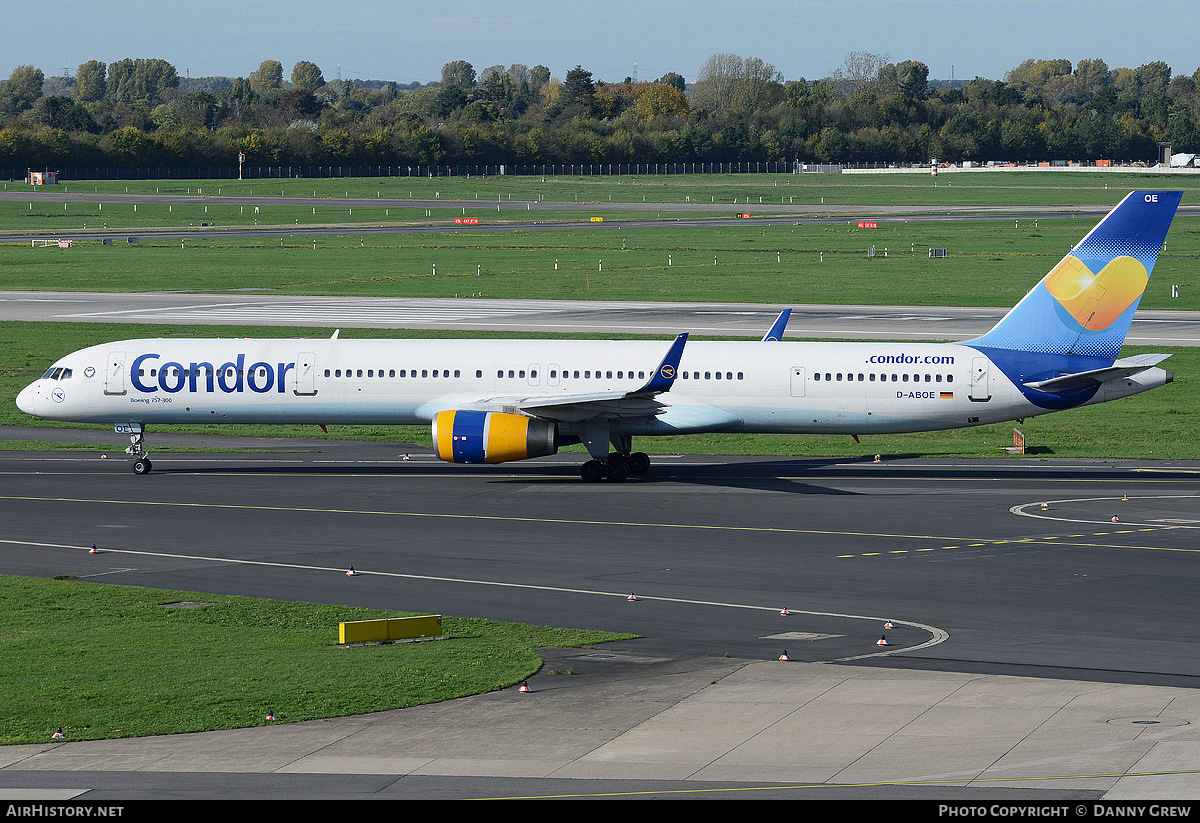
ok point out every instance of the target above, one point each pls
(1125, 367)
(638, 403)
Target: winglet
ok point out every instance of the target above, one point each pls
(775, 333)
(664, 376)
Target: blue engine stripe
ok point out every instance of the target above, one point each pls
(468, 438)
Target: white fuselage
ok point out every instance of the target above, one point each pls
(854, 388)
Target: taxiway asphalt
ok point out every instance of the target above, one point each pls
(1053, 634)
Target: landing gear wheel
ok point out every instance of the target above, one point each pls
(142, 465)
(639, 463)
(592, 471)
(617, 469)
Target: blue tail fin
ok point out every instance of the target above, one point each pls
(1086, 302)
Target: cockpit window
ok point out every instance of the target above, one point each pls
(57, 373)
(49, 375)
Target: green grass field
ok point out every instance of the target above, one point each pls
(1032, 188)
(105, 661)
(991, 263)
(1160, 424)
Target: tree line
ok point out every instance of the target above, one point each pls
(137, 112)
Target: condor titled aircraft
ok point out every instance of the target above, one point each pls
(490, 401)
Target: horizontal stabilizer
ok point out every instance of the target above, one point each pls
(1125, 367)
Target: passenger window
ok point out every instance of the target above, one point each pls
(327, 372)
(424, 372)
(718, 375)
(479, 372)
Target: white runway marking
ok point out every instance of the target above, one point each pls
(936, 635)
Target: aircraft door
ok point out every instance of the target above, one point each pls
(114, 376)
(306, 374)
(798, 377)
(533, 374)
(980, 391)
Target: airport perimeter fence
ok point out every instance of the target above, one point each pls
(452, 170)
(541, 169)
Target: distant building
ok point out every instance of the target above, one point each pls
(42, 178)
(1182, 160)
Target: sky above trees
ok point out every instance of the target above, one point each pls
(409, 42)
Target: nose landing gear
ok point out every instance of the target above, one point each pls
(141, 462)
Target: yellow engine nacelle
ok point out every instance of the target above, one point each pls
(491, 437)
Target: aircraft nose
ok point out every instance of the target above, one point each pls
(27, 399)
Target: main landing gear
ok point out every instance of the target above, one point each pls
(141, 462)
(615, 466)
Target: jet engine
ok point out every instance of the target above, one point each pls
(491, 437)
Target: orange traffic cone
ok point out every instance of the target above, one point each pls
(525, 687)
(888, 625)
(93, 550)
(1116, 519)
(58, 735)
(784, 656)
(1045, 506)
(633, 598)
(882, 641)
(352, 572)
(270, 715)
(784, 613)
